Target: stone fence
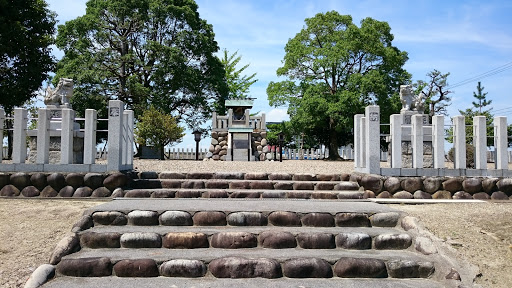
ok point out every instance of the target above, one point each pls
(367, 146)
(65, 134)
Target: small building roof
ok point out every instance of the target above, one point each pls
(246, 103)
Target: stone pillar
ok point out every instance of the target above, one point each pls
(417, 140)
(459, 142)
(247, 117)
(129, 137)
(263, 122)
(372, 135)
(19, 149)
(43, 136)
(230, 118)
(91, 117)
(357, 141)
(214, 120)
(396, 140)
(66, 138)
(438, 141)
(115, 126)
(2, 119)
(500, 142)
(480, 142)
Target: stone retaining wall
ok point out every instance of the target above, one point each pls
(62, 184)
(114, 185)
(482, 188)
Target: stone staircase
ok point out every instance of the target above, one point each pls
(268, 239)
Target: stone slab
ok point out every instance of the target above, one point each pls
(208, 254)
(209, 230)
(261, 205)
(116, 282)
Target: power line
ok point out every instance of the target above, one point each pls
(489, 73)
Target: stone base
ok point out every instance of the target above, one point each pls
(54, 153)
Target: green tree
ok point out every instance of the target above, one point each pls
(26, 32)
(335, 69)
(238, 84)
(143, 52)
(481, 98)
(476, 110)
(436, 92)
(158, 129)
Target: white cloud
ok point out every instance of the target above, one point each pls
(277, 115)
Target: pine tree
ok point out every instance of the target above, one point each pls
(481, 99)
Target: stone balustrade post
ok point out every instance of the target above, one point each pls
(19, 137)
(115, 127)
(91, 119)
(357, 141)
(459, 141)
(66, 138)
(230, 118)
(438, 141)
(417, 140)
(501, 142)
(129, 137)
(2, 119)
(372, 135)
(480, 142)
(396, 140)
(247, 117)
(43, 136)
(214, 120)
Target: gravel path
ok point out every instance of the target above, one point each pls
(291, 166)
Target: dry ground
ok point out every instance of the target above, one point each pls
(481, 233)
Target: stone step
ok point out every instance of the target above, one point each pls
(126, 205)
(243, 218)
(158, 282)
(242, 176)
(241, 193)
(190, 237)
(245, 263)
(243, 184)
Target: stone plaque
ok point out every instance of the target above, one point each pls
(240, 141)
(374, 116)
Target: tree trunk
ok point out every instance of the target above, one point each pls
(333, 142)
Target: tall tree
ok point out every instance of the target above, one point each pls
(26, 32)
(436, 92)
(238, 84)
(335, 69)
(143, 52)
(481, 98)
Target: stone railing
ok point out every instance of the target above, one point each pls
(223, 123)
(367, 146)
(120, 141)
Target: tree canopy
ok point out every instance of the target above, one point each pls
(436, 92)
(335, 69)
(143, 52)
(26, 32)
(158, 129)
(238, 84)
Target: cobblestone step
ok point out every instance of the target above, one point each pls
(246, 193)
(189, 237)
(245, 263)
(243, 184)
(211, 282)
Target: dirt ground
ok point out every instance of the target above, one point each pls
(29, 230)
(481, 234)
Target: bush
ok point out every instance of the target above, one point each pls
(470, 155)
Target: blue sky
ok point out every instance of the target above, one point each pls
(465, 38)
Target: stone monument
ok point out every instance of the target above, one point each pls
(414, 105)
(56, 100)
